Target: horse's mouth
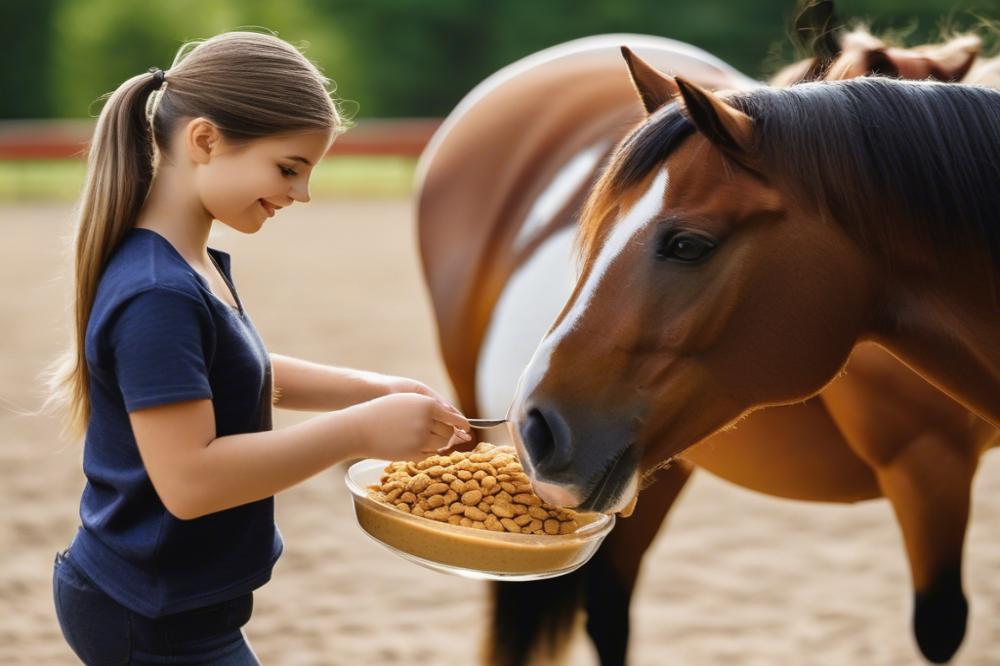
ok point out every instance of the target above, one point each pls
(609, 486)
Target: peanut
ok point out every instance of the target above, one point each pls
(472, 497)
(523, 520)
(435, 489)
(527, 499)
(418, 483)
(510, 525)
(474, 513)
(538, 512)
(502, 510)
(482, 489)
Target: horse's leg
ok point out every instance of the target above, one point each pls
(611, 575)
(928, 483)
(535, 619)
(924, 449)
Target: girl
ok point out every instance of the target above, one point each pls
(168, 376)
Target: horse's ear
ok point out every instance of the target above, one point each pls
(725, 126)
(953, 59)
(655, 89)
(866, 54)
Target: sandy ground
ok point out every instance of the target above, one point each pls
(737, 578)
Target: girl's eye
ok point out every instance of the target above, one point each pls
(285, 171)
(684, 247)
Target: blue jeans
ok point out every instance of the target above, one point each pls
(102, 631)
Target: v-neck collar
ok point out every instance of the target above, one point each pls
(220, 260)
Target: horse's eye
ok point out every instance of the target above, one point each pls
(686, 247)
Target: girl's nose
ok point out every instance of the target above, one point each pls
(300, 193)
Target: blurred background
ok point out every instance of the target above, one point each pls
(395, 58)
(390, 59)
(738, 578)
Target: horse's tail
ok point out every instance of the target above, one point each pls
(534, 618)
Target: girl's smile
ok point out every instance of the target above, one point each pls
(268, 207)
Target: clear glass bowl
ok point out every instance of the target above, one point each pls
(466, 551)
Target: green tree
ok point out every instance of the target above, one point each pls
(99, 44)
(26, 74)
(397, 57)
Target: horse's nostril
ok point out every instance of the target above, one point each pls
(538, 438)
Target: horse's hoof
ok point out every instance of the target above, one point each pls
(939, 615)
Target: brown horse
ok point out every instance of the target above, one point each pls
(735, 251)
(496, 248)
(507, 229)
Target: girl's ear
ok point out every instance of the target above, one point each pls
(201, 138)
(725, 126)
(655, 89)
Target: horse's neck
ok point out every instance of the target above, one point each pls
(950, 336)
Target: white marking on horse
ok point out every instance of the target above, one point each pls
(631, 224)
(640, 215)
(529, 303)
(557, 193)
(637, 219)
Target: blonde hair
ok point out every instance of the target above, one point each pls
(248, 84)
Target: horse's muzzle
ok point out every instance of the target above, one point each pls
(576, 459)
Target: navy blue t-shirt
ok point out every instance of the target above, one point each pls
(158, 335)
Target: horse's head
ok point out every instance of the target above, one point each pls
(835, 55)
(703, 293)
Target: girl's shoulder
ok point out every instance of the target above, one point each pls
(144, 262)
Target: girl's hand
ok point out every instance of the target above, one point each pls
(391, 384)
(406, 385)
(408, 426)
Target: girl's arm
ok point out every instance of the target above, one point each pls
(309, 386)
(195, 473)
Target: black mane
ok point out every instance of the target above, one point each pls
(886, 159)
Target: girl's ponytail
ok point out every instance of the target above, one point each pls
(119, 172)
(249, 85)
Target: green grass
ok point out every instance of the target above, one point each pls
(60, 180)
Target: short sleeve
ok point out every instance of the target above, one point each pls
(158, 341)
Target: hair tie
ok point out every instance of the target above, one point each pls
(159, 76)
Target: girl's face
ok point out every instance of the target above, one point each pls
(243, 185)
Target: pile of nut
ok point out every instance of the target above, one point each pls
(485, 488)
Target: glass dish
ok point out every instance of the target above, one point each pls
(466, 551)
